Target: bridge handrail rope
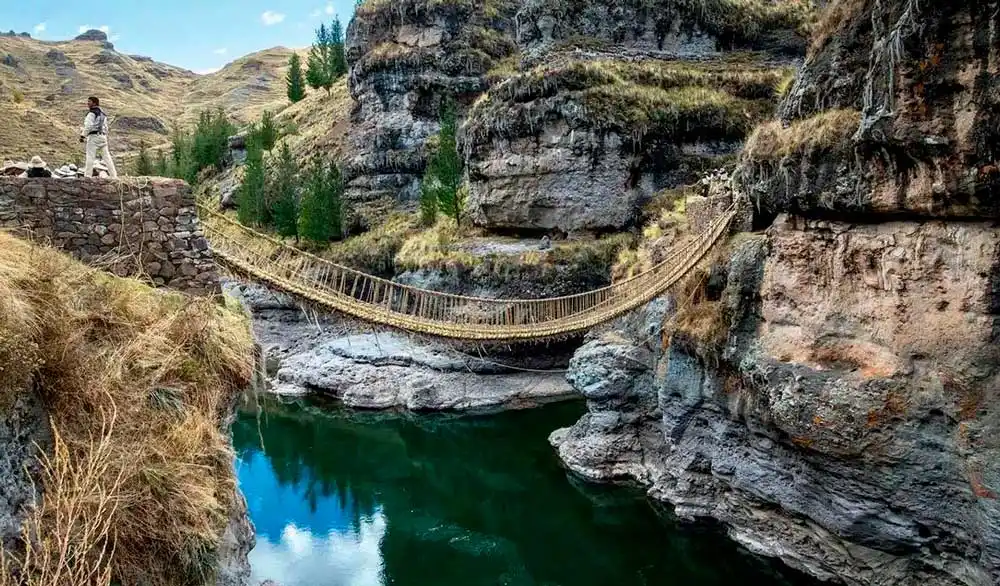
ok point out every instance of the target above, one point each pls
(372, 298)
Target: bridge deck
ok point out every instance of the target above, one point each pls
(434, 313)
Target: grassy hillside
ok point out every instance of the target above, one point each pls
(44, 87)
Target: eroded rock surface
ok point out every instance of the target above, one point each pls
(406, 58)
(23, 428)
(833, 400)
(613, 103)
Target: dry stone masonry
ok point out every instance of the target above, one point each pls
(147, 227)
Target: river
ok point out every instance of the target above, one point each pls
(365, 499)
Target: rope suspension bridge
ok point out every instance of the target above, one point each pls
(380, 301)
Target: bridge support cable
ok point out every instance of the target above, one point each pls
(370, 298)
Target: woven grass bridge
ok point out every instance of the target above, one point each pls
(369, 298)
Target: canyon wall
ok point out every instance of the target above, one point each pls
(829, 388)
(575, 112)
(407, 59)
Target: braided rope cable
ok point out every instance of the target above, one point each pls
(328, 284)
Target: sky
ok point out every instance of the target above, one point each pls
(200, 35)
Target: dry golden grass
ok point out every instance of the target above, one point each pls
(434, 247)
(52, 92)
(831, 19)
(320, 123)
(137, 383)
(375, 250)
(826, 130)
(666, 224)
(446, 246)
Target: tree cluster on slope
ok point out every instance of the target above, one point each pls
(277, 194)
(191, 152)
(326, 64)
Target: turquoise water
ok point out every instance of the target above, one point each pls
(342, 499)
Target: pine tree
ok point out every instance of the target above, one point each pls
(210, 144)
(321, 213)
(338, 60)
(429, 188)
(295, 80)
(181, 164)
(251, 200)
(283, 194)
(267, 130)
(318, 64)
(444, 169)
(143, 164)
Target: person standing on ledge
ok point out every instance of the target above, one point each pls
(95, 134)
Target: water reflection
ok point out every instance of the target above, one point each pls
(307, 538)
(371, 499)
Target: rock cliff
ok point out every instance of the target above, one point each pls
(828, 390)
(406, 58)
(617, 101)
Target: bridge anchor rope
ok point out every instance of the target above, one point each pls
(370, 298)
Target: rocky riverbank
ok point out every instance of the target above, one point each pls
(369, 369)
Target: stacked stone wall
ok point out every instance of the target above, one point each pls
(140, 227)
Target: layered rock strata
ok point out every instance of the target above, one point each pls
(579, 145)
(407, 58)
(830, 390)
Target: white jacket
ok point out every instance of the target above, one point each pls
(94, 123)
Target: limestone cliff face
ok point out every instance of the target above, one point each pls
(406, 58)
(617, 101)
(912, 132)
(666, 26)
(831, 393)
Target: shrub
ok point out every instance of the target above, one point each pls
(143, 164)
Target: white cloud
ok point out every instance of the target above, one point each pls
(105, 29)
(329, 9)
(39, 28)
(221, 51)
(270, 18)
(208, 71)
(351, 557)
(315, 13)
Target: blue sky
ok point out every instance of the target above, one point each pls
(200, 35)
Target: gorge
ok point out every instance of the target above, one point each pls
(815, 402)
